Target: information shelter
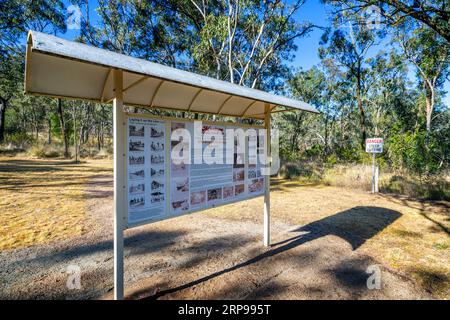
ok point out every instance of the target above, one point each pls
(149, 185)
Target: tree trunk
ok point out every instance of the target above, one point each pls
(49, 121)
(36, 130)
(362, 116)
(326, 136)
(63, 129)
(3, 105)
(80, 138)
(75, 144)
(429, 106)
(294, 142)
(99, 146)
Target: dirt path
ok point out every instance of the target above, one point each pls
(213, 255)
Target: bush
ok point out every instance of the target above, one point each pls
(306, 170)
(331, 160)
(19, 140)
(45, 151)
(349, 153)
(414, 152)
(287, 154)
(95, 153)
(314, 152)
(359, 176)
(431, 188)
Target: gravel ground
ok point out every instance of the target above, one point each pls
(199, 257)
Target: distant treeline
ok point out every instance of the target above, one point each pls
(362, 86)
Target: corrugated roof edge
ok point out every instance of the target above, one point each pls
(49, 44)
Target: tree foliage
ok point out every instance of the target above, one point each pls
(362, 85)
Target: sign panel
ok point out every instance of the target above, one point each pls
(145, 168)
(170, 174)
(374, 145)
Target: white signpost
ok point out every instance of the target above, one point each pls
(374, 146)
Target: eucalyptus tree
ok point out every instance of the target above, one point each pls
(10, 75)
(146, 29)
(434, 14)
(241, 41)
(250, 39)
(246, 42)
(388, 88)
(16, 18)
(308, 86)
(337, 110)
(348, 49)
(116, 30)
(430, 56)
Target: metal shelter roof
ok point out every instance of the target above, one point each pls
(62, 68)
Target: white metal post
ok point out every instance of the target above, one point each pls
(377, 168)
(119, 182)
(267, 179)
(373, 172)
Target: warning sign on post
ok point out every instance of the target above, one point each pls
(374, 145)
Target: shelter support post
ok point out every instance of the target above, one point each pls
(267, 179)
(119, 182)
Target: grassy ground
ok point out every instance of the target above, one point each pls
(359, 176)
(410, 236)
(43, 200)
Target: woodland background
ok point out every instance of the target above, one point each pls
(360, 93)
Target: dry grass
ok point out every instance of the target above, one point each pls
(416, 242)
(354, 176)
(43, 200)
(360, 177)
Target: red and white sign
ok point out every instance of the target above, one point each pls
(374, 145)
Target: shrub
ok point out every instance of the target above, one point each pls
(103, 153)
(331, 160)
(414, 152)
(349, 153)
(86, 152)
(19, 140)
(314, 152)
(45, 151)
(431, 188)
(310, 171)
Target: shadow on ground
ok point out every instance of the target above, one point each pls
(440, 208)
(355, 226)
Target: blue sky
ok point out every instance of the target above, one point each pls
(306, 55)
(315, 12)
